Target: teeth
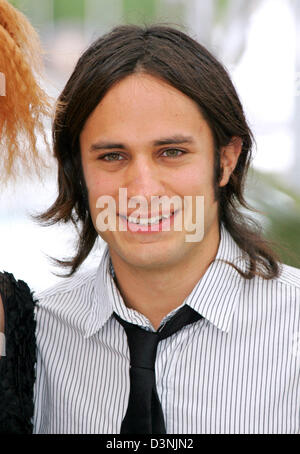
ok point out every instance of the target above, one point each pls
(146, 221)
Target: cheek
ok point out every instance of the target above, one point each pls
(98, 183)
(195, 180)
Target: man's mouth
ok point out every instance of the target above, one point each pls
(146, 220)
(149, 224)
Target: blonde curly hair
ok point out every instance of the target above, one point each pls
(24, 105)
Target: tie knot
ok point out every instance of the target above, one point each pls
(143, 344)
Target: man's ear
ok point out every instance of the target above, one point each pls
(229, 158)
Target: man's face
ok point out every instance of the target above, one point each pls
(150, 138)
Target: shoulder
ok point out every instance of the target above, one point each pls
(65, 304)
(290, 277)
(283, 288)
(67, 287)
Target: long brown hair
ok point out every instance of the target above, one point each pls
(171, 55)
(24, 105)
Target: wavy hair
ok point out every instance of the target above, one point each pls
(173, 56)
(23, 103)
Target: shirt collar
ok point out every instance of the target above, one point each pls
(217, 293)
(215, 296)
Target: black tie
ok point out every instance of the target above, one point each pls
(144, 413)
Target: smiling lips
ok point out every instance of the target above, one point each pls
(146, 220)
(146, 224)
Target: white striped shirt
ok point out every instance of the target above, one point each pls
(235, 371)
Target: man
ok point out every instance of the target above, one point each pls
(148, 116)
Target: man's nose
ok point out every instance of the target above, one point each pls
(143, 178)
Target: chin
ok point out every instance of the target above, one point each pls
(152, 257)
(149, 254)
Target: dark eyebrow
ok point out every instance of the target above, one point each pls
(106, 146)
(177, 139)
(174, 140)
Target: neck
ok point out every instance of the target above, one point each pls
(157, 292)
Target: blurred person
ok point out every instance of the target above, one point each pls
(166, 335)
(23, 106)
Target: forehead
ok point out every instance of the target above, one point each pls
(144, 87)
(143, 104)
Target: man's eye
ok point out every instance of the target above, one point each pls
(173, 153)
(111, 157)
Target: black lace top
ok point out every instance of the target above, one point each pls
(17, 368)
